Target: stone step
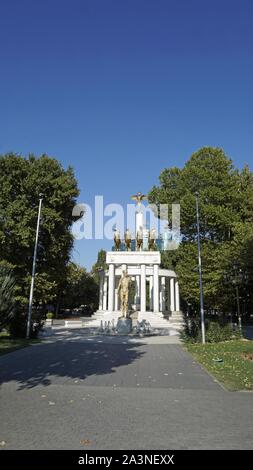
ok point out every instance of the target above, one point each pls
(99, 316)
(156, 320)
(73, 323)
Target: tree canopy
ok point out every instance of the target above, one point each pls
(100, 264)
(21, 181)
(80, 288)
(226, 216)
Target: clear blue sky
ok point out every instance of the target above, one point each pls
(120, 89)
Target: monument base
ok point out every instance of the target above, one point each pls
(124, 326)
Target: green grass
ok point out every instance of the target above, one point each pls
(235, 371)
(8, 344)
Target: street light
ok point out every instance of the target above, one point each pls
(237, 277)
(202, 315)
(28, 330)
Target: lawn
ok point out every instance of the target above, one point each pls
(8, 345)
(231, 362)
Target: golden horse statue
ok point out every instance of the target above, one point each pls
(117, 240)
(128, 239)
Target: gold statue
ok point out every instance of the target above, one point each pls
(128, 239)
(151, 239)
(139, 239)
(117, 240)
(139, 198)
(123, 288)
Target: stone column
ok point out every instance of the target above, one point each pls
(137, 290)
(151, 306)
(162, 294)
(167, 304)
(177, 296)
(116, 297)
(105, 293)
(172, 295)
(111, 287)
(143, 288)
(101, 289)
(156, 287)
(123, 268)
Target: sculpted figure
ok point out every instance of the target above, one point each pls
(139, 197)
(151, 239)
(139, 239)
(128, 239)
(123, 289)
(117, 240)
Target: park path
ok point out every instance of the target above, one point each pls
(75, 391)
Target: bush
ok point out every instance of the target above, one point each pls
(50, 316)
(18, 324)
(215, 331)
(37, 325)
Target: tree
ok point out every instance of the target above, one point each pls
(21, 182)
(100, 264)
(7, 297)
(80, 288)
(226, 210)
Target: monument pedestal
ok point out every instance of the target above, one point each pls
(124, 326)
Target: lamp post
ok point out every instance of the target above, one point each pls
(237, 277)
(238, 307)
(202, 315)
(28, 330)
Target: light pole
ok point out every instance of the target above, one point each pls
(238, 277)
(202, 315)
(238, 307)
(28, 330)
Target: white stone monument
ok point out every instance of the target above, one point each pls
(163, 306)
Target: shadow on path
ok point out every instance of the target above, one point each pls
(59, 361)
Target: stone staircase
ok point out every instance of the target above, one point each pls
(158, 320)
(177, 320)
(95, 320)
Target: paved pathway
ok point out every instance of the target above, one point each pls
(80, 392)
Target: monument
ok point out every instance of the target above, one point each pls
(124, 325)
(123, 288)
(156, 296)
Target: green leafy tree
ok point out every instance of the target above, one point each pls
(21, 182)
(80, 288)
(7, 295)
(100, 264)
(226, 212)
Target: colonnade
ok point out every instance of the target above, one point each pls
(163, 289)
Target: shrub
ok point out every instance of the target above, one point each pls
(215, 331)
(50, 316)
(18, 324)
